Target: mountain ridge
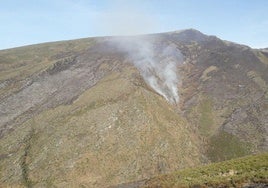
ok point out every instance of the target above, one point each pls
(81, 112)
(190, 30)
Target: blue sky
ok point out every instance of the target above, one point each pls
(36, 21)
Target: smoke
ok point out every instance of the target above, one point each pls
(157, 62)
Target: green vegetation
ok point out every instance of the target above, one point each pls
(24, 166)
(206, 118)
(233, 173)
(224, 146)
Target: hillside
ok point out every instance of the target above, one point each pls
(250, 171)
(97, 112)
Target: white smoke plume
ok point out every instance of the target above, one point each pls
(157, 63)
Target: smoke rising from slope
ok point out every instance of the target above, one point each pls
(157, 63)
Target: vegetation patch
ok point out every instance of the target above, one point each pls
(233, 173)
(205, 76)
(257, 79)
(206, 118)
(224, 146)
(24, 160)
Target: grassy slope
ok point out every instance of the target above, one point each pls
(232, 173)
(42, 150)
(17, 64)
(24, 61)
(103, 138)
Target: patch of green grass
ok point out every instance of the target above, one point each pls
(232, 173)
(224, 146)
(206, 117)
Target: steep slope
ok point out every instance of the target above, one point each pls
(225, 95)
(102, 138)
(92, 122)
(81, 113)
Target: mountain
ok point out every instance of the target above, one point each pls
(104, 111)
